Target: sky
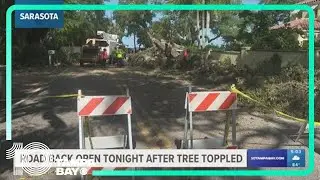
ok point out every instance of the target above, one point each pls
(129, 40)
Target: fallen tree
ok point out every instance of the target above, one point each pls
(160, 54)
(174, 49)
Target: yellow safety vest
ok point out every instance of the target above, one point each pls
(119, 54)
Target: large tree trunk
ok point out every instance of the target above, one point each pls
(134, 43)
(202, 31)
(207, 25)
(160, 45)
(198, 29)
(157, 56)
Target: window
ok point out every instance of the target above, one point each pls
(102, 43)
(90, 43)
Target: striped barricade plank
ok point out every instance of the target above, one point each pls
(104, 105)
(211, 101)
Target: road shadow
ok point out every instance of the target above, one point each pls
(290, 129)
(158, 103)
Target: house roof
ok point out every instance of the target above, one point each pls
(299, 24)
(309, 2)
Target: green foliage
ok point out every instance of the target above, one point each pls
(287, 92)
(28, 57)
(135, 23)
(175, 26)
(143, 38)
(255, 31)
(66, 56)
(78, 25)
(3, 6)
(20, 37)
(180, 26)
(284, 39)
(295, 73)
(281, 1)
(163, 28)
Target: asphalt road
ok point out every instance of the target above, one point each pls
(158, 114)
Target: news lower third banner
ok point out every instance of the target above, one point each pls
(38, 19)
(159, 158)
(276, 157)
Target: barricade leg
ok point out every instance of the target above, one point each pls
(191, 125)
(186, 121)
(226, 129)
(234, 133)
(81, 132)
(129, 126)
(185, 138)
(234, 127)
(301, 131)
(103, 108)
(130, 131)
(80, 126)
(191, 131)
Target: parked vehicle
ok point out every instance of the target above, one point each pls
(92, 51)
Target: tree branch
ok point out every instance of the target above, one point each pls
(181, 37)
(217, 36)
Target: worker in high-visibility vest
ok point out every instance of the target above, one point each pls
(119, 56)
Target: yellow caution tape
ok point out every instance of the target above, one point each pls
(235, 90)
(57, 96)
(62, 96)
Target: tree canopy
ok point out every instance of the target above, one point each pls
(135, 23)
(255, 31)
(236, 28)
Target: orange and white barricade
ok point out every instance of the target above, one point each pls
(92, 106)
(197, 102)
